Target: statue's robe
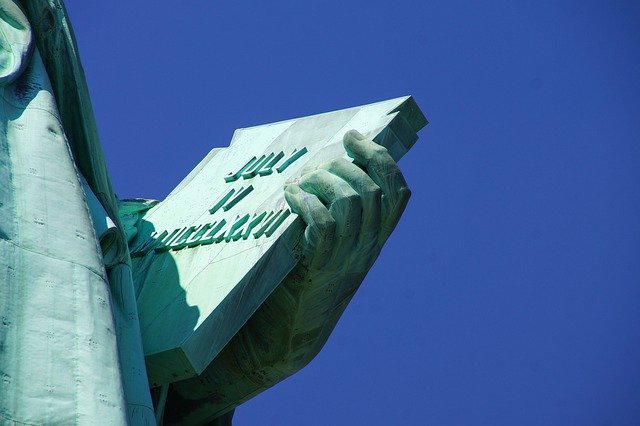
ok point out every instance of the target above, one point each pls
(70, 349)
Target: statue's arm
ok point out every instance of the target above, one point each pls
(350, 210)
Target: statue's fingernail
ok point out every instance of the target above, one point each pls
(354, 134)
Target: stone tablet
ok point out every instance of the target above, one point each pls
(207, 256)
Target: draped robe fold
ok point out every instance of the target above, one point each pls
(70, 349)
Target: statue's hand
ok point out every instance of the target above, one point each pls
(349, 208)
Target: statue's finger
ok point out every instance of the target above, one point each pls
(344, 206)
(392, 211)
(385, 173)
(376, 160)
(370, 197)
(319, 236)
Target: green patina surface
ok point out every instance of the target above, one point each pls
(226, 287)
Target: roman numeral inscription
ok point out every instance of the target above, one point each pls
(260, 225)
(242, 227)
(228, 200)
(263, 165)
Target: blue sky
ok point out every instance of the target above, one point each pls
(509, 294)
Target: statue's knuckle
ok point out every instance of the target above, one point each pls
(404, 192)
(337, 163)
(353, 200)
(319, 173)
(372, 191)
(326, 225)
(348, 202)
(379, 152)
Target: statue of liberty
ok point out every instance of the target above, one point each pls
(70, 341)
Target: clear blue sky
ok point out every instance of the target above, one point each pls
(510, 292)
